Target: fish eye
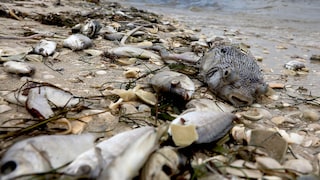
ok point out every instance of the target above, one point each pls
(223, 50)
(8, 167)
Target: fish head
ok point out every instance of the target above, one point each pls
(177, 87)
(22, 161)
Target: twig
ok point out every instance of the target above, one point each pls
(128, 34)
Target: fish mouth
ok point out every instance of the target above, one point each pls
(239, 100)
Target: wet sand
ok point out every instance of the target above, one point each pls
(277, 31)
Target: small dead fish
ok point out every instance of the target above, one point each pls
(173, 82)
(91, 29)
(294, 65)
(92, 162)
(127, 165)
(45, 48)
(209, 126)
(43, 153)
(77, 42)
(20, 68)
(128, 51)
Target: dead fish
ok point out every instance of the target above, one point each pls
(209, 126)
(36, 97)
(232, 74)
(20, 68)
(127, 165)
(91, 162)
(45, 48)
(91, 28)
(128, 51)
(165, 163)
(173, 82)
(77, 42)
(294, 65)
(43, 153)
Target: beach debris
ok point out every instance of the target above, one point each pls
(206, 127)
(270, 142)
(130, 161)
(315, 57)
(91, 28)
(233, 75)
(165, 163)
(294, 65)
(42, 154)
(299, 165)
(45, 48)
(208, 105)
(20, 68)
(244, 169)
(77, 42)
(146, 97)
(174, 83)
(90, 163)
(40, 98)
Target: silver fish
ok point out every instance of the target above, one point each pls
(20, 68)
(210, 126)
(45, 48)
(127, 165)
(77, 42)
(92, 162)
(43, 153)
(173, 82)
(128, 51)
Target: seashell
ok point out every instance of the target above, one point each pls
(126, 61)
(239, 134)
(292, 137)
(131, 73)
(146, 97)
(278, 120)
(268, 163)
(270, 142)
(93, 52)
(43, 153)
(4, 108)
(299, 165)
(208, 105)
(253, 115)
(126, 95)
(20, 68)
(91, 29)
(45, 48)
(210, 126)
(77, 42)
(173, 82)
(294, 65)
(310, 115)
(183, 135)
(237, 168)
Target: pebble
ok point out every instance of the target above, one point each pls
(101, 72)
(48, 76)
(300, 165)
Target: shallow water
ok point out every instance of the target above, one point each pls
(264, 25)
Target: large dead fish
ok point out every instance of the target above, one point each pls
(90, 163)
(42, 154)
(45, 48)
(233, 75)
(127, 165)
(174, 83)
(77, 42)
(200, 127)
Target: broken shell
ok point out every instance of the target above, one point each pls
(239, 134)
(93, 52)
(183, 135)
(208, 105)
(268, 163)
(173, 82)
(131, 73)
(20, 68)
(299, 165)
(253, 115)
(146, 97)
(237, 168)
(294, 65)
(126, 95)
(45, 48)
(77, 42)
